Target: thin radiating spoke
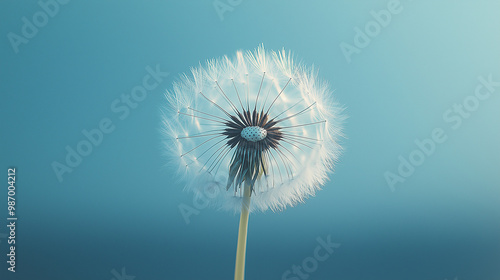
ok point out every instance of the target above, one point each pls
(237, 94)
(210, 148)
(300, 101)
(278, 96)
(206, 114)
(208, 160)
(219, 158)
(260, 87)
(293, 144)
(302, 141)
(203, 118)
(227, 99)
(283, 127)
(198, 157)
(292, 154)
(297, 114)
(272, 168)
(248, 93)
(300, 136)
(222, 159)
(225, 112)
(196, 136)
(286, 163)
(209, 168)
(277, 166)
(200, 145)
(267, 95)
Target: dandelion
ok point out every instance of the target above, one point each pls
(258, 130)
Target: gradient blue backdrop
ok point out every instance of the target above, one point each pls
(119, 208)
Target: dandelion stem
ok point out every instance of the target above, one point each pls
(239, 272)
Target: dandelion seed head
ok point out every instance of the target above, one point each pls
(259, 119)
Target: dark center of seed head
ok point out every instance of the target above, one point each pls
(253, 133)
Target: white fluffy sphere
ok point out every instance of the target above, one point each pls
(256, 118)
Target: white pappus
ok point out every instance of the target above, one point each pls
(258, 118)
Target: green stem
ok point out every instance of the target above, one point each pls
(239, 272)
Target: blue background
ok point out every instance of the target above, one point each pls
(119, 208)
